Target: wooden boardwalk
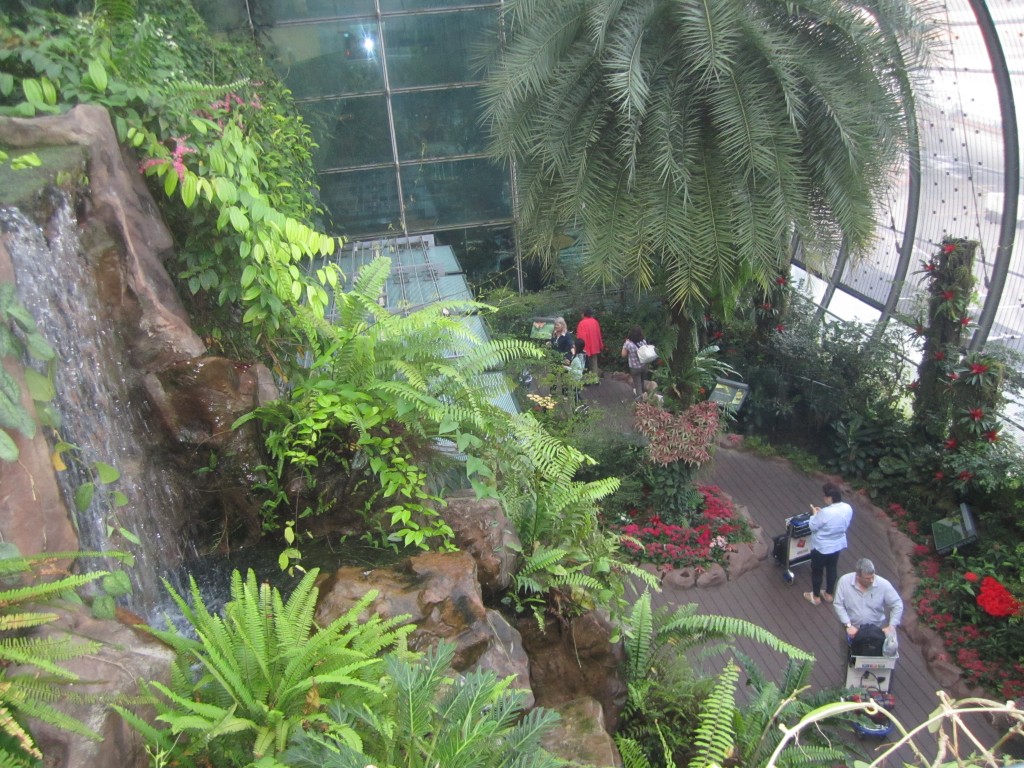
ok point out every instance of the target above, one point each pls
(772, 490)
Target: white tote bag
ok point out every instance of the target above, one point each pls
(646, 353)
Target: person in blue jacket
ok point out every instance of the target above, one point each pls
(828, 526)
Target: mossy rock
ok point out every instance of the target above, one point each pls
(63, 166)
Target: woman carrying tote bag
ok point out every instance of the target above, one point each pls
(637, 368)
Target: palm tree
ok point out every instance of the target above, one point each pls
(687, 143)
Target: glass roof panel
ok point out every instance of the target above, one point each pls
(457, 193)
(328, 58)
(348, 131)
(361, 201)
(437, 123)
(434, 49)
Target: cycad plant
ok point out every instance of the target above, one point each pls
(425, 716)
(32, 692)
(249, 679)
(685, 143)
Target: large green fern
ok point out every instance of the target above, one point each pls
(662, 686)
(250, 677)
(714, 737)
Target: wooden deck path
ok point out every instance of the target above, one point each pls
(772, 490)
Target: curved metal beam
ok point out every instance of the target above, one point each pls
(1011, 171)
(913, 207)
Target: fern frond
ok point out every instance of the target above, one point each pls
(714, 738)
(47, 589)
(632, 753)
(43, 652)
(639, 637)
(693, 630)
(14, 730)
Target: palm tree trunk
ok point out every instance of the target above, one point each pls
(683, 355)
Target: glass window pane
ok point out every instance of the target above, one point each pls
(289, 10)
(436, 48)
(454, 193)
(438, 123)
(328, 59)
(361, 202)
(352, 131)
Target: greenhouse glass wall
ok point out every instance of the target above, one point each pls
(390, 91)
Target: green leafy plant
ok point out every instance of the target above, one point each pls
(382, 391)
(570, 563)
(666, 703)
(425, 716)
(20, 338)
(225, 154)
(29, 583)
(251, 678)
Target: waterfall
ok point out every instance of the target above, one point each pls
(103, 411)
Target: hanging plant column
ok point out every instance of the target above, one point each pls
(949, 288)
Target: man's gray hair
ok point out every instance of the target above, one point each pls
(865, 566)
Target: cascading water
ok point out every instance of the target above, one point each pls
(103, 412)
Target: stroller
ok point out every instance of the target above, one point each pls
(794, 546)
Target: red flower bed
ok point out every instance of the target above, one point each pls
(976, 615)
(715, 530)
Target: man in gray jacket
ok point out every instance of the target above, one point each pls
(862, 597)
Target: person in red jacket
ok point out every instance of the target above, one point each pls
(589, 330)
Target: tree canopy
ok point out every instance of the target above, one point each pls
(686, 143)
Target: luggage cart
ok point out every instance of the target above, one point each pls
(871, 677)
(794, 546)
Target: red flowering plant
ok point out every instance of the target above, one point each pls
(714, 530)
(681, 524)
(971, 602)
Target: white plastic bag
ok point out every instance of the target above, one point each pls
(891, 645)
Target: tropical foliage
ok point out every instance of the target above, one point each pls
(382, 394)
(428, 716)
(27, 602)
(20, 339)
(224, 151)
(249, 679)
(570, 563)
(672, 714)
(685, 144)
